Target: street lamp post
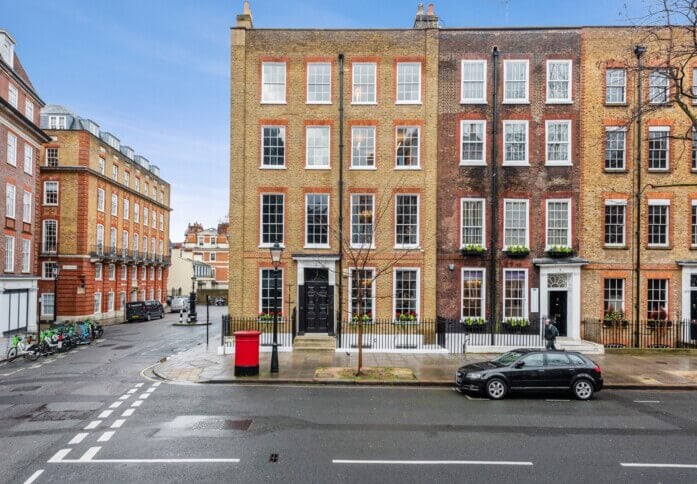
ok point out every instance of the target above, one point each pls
(276, 253)
(193, 317)
(55, 292)
(639, 51)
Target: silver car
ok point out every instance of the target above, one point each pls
(179, 304)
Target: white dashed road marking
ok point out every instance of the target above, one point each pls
(128, 412)
(33, 477)
(131, 391)
(118, 423)
(93, 424)
(157, 384)
(434, 462)
(144, 396)
(124, 397)
(91, 452)
(151, 389)
(105, 436)
(58, 456)
(659, 466)
(138, 385)
(78, 438)
(105, 414)
(115, 405)
(137, 403)
(647, 401)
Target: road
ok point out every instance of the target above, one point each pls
(92, 417)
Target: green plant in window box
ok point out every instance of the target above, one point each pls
(470, 321)
(560, 251)
(473, 249)
(517, 250)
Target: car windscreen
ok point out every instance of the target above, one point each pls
(134, 305)
(507, 358)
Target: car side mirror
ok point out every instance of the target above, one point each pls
(519, 364)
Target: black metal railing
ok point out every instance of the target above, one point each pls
(285, 331)
(647, 333)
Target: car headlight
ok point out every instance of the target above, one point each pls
(474, 376)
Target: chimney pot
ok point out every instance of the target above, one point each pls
(430, 9)
(420, 9)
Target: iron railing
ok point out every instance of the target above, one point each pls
(285, 330)
(649, 333)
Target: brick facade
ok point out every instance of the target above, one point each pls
(211, 247)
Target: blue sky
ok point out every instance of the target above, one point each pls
(155, 73)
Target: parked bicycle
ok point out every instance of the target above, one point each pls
(24, 346)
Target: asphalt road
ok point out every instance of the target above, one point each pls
(95, 419)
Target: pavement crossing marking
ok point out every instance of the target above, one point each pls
(91, 452)
(138, 385)
(128, 412)
(118, 423)
(151, 389)
(105, 414)
(93, 424)
(433, 462)
(144, 396)
(157, 384)
(137, 403)
(58, 456)
(78, 438)
(34, 476)
(115, 405)
(106, 436)
(659, 466)
(647, 401)
(124, 397)
(131, 391)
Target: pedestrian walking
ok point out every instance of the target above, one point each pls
(551, 333)
(180, 315)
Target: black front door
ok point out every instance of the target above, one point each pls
(557, 310)
(693, 313)
(317, 300)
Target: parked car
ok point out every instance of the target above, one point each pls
(179, 303)
(532, 370)
(220, 301)
(147, 310)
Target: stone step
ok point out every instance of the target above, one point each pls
(582, 346)
(314, 342)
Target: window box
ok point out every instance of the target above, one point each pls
(365, 319)
(559, 251)
(516, 324)
(472, 250)
(517, 251)
(405, 317)
(268, 317)
(474, 324)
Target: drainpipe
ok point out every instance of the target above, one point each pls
(638, 51)
(493, 239)
(341, 197)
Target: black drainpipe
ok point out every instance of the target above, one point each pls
(638, 51)
(341, 198)
(493, 240)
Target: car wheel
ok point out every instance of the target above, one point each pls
(496, 389)
(583, 389)
(162, 314)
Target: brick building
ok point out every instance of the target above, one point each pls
(508, 159)
(104, 215)
(211, 247)
(615, 176)
(20, 148)
(301, 148)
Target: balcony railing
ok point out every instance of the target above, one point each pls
(99, 251)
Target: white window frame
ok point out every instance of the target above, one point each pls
(362, 245)
(114, 204)
(57, 190)
(29, 110)
(568, 219)
(372, 290)
(418, 221)
(280, 287)
(418, 149)
(26, 255)
(466, 100)
(568, 161)
(526, 299)
(57, 122)
(282, 133)
(11, 149)
(375, 83)
(136, 213)
(100, 200)
(26, 207)
(28, 159)
(126, 208)
(506, 124)
(418, 290)
(13, 95)
(263, 244)
(616, 202)
(506, 64)
(112, 272)
(375, 149)
(569, 98)
(659, 129)
(97, 303)
(483, 290)
(667, 88)
(328, 130)
(412, 63)
(527, 221)
(481, 162)
(657, 203)
(624, 86)
(308, 245)
(9, 253)
(317, 64)
(619, 129)
(100, 165)
(10, 201)
(464, 200)
(98, 271)
(44, 304)
(285, 83)
(45, 276)
(44, 232)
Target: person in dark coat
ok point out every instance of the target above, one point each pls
(551, 333)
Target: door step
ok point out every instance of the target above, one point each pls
(582, 346)
(314, 342)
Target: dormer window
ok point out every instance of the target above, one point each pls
(94, 129)
(7, 49)
(56, 122)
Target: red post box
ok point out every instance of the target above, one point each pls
(247, 353)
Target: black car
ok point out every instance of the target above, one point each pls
(147, 310)
(531, 370)
(220, 301)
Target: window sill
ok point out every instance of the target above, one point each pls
(268, 246)
(326, 168)
(315, 246)
(516, 164)
(565, 163)
(615, 172)
(514, 101)
(407, 168)
(407, 247)
(559, 101)
(271, 103)
(364, 168)
(615, 247)
(659, 247)
(473, 101)
(620, 104)
(472, 163)
(263, 167)
(321, 103)
(356, 103)
(407, 103)
(658, 170)
(363, 246)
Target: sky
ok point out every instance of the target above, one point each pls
(156, 73)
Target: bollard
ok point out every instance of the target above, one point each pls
(180, 315)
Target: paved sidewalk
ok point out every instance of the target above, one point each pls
(659, 370)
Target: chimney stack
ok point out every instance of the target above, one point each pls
(244, 20)
(425, 21)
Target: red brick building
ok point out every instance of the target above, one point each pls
(508, 159)
(211, 247)
(20, 147)
(105, 221)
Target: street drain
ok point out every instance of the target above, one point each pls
(217, 424)
(123, 347)
(273, 458)
(29, 388)
(61, 415)
(662, 362)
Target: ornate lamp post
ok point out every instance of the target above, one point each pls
(276, 253)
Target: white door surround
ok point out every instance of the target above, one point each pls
(572, 272)
(317, 261)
